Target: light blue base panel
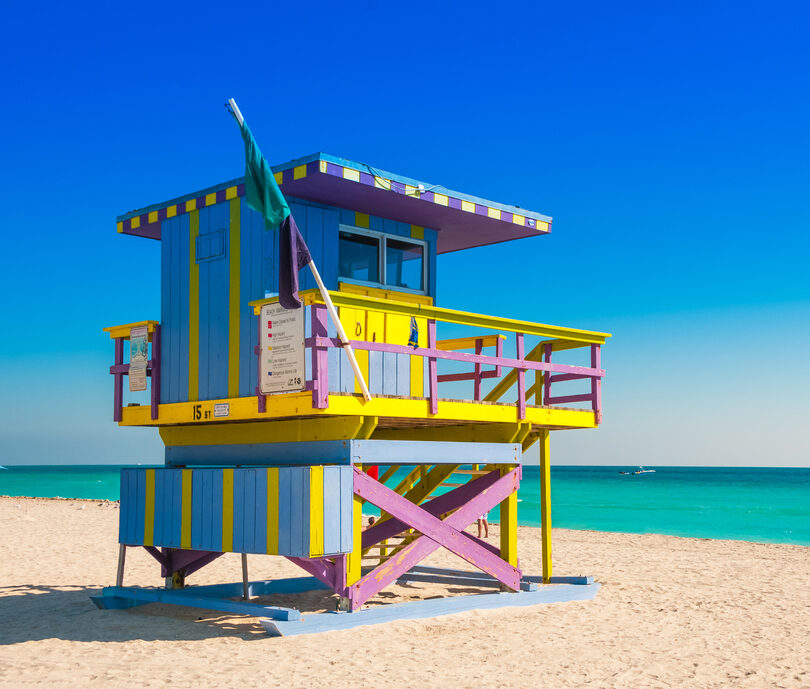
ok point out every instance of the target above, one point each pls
(335, 621)
(345, 452)
(440, 574)
(457, 580)
(213, 597)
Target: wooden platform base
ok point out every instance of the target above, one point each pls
(435, 607)
(279, 621)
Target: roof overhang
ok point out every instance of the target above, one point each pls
(462, 221)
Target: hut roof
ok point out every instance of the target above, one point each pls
(462, 221)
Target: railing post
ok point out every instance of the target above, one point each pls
(596, 382)
(547, 375)
(262, 399)
(432, 370)
(118, 379)
(155, 372)
(479, 346)
(521, 378)
(320, 358)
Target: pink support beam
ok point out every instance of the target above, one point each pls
(470, 375)
(319, 567)
(320, 358)
(437, 533)
(437, 506)
(432, 370)
(568, 399)
(521, 378)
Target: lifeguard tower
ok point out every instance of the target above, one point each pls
(269, 446)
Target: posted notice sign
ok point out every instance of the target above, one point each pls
(138, 358)
(282, 365)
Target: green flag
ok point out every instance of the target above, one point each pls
(261, 191)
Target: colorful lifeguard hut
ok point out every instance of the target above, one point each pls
(269, 446)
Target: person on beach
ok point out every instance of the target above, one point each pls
(483, 525)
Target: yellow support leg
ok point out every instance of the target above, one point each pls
(354, 559)
(509, 524)
(545, 504)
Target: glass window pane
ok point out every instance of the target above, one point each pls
(403, 264)
(359, 257)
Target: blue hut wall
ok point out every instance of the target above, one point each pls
(208, 328)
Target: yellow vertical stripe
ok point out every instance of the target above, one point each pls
(233, 302)
(185, 511)
(545, 504)
(149, 509)
(315, 511)
(272, 511)
(227, 510)
(193, 309)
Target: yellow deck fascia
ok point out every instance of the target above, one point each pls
(287, 406)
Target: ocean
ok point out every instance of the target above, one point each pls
(765, 505)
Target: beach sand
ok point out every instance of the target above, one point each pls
(672, 612)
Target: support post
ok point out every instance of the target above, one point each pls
(118, 380)
(122, 556)
(545, 504)
(477, 384)
(320, 358)
(245, 585)
(521, 378)
(596, 382)
(262, 399)
(432, 371)
(155, 383)
(509, 523)
(547, 375)
(354, 559)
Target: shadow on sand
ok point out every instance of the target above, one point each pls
(33, 613)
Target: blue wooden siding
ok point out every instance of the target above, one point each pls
(258, 274)
(214, 275)
(174, 309)
(249, 505)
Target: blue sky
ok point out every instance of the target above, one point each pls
(670, 144)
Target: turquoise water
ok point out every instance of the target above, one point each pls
(768, 505)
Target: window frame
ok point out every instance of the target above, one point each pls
(382, 271)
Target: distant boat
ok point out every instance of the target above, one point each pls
(642, 470)
(3, 468)
(624, 473)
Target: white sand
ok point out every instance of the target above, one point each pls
(672, 612)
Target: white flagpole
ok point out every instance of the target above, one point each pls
(330, 307)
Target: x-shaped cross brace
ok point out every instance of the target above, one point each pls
(436, 533)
